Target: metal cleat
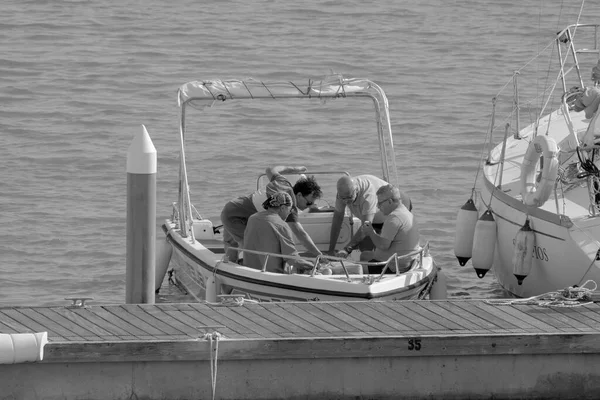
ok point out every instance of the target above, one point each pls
(78, 302)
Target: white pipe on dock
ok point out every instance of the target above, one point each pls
(141, 219)
(18, 348)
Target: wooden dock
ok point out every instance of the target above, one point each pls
(344, 350)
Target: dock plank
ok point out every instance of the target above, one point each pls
(13, 326)
(179, 328)
(296, 325)
(578, 320)
(180, 313)
(539, 312)
(429, 310)
(320, 326)
(491, 316)
(514, 324)
(130, 313)
(204, 313)
(479, 324)
(365, 322)
(529, 324)
(382, 311)
(339, 317)
(270, 321)
(68, 324)
(409, 316)
(139, 312)
(133, 332)
(31, 325)
(288, 326)
(102, 327)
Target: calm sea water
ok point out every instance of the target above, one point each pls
(78, 78)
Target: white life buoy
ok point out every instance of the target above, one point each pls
(536, 194)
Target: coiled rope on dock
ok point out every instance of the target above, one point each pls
(214, 354)
(572, 296)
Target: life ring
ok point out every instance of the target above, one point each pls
(536, 193)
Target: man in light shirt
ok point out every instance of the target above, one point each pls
(359, 194)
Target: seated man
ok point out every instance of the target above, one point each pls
(399, 234)
(267, 231)
(236, 212)
(359, 194)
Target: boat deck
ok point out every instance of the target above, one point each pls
(139, 322)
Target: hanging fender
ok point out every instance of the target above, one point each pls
(536, 193)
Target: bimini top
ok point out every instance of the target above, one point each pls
(193, 93)
(202, 94)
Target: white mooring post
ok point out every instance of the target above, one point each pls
(141, 219)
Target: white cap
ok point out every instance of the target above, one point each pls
(141, 156)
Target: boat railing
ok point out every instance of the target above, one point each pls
(525, 95)
(324, 260)
(523, 84)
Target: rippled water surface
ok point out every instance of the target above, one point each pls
(78, 78)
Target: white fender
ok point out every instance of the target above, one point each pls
(211, 289)
(22, 347)
(465, 231)
(522, 259)
(536, 194)
(484, 244)
(439, 289)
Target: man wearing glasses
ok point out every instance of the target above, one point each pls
(399, 234)
(236, 212)
(359, 194)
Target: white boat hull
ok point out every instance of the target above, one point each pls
(193, 263)
(566, 235)
(559, 260)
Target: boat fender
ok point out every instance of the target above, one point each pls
(22, 347)
(163, 250)
(522, 259)
(203, 229)
(439, 289)
(484, 243)
(465, 231)
(532, 193)
(211, 289)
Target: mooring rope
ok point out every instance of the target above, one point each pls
(568, 297)
(231, 300)
(215, 336)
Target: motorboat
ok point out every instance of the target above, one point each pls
(198, 263)
(534, 216)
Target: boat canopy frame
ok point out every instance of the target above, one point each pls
(207, 93)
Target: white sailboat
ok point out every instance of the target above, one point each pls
(540, 196)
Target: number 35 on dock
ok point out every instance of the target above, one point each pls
(414, 344)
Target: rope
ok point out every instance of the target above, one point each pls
(425, 292)
(233, 301)
(216, 336)
(572, 296)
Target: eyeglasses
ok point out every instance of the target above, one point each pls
(379, 203)
(308, 202)
(347, 198)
